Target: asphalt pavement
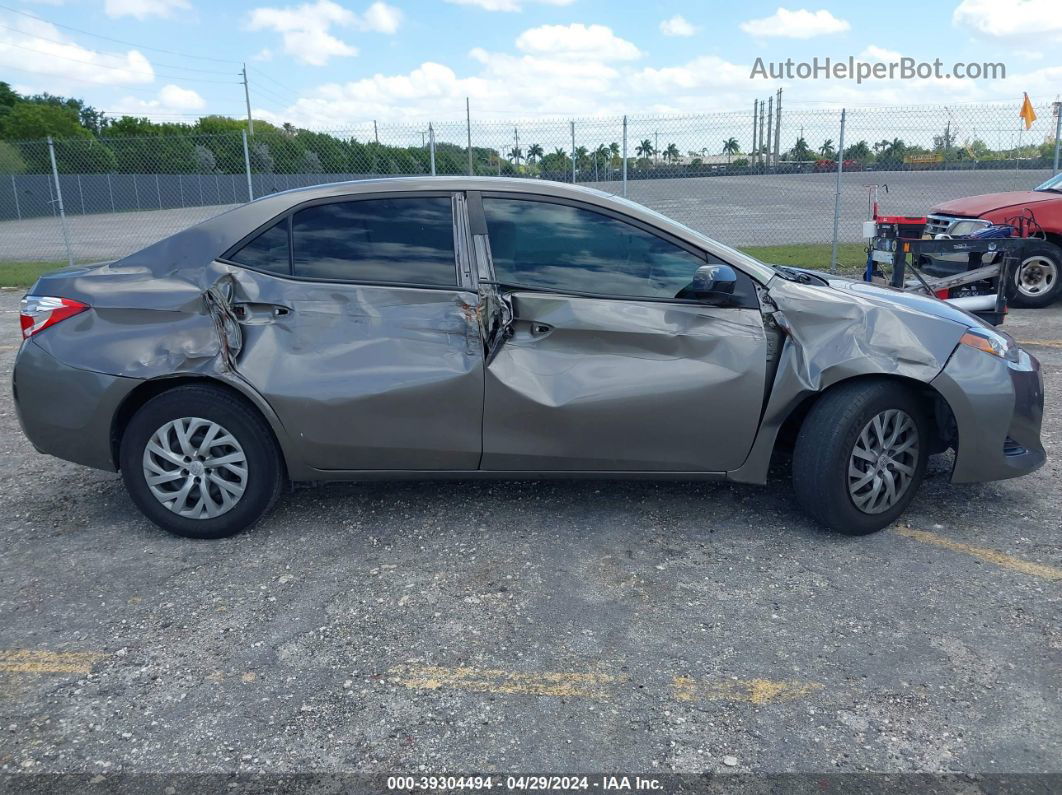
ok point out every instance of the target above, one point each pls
(555, 626)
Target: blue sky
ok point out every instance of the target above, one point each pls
(337, 64)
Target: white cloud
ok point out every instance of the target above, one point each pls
(799, 24)
(1013, 19)
(306, 29)
(35, 46)
(142, 9)
(874, 53)
(577, 41)
(677, 26)
(172, 100)
(264, 54)
(506, 5)
(382, 18)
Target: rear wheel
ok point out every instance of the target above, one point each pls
(200, 462)
(860, 456)
(1037, 279)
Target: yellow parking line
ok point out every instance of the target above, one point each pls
(493, 680)
(1042, 343)
(753, 691)
(30, 661)
(984, 553)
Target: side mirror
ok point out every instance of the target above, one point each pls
(712, 281)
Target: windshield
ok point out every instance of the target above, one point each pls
(1055, 184)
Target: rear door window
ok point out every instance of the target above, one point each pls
(389, 240)
(268, 252)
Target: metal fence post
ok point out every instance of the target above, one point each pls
(158, 191)
(1058, 131)
(18, 210)
(573, 152)
(110, 190)
(468, 129)
(59, 200)
(837, 196)
(624, 157)
(431, 147)
(247, 166)
(81, 193)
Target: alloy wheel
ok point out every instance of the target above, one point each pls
(883, 461)
(195, 468)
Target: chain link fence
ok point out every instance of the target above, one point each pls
(769, 176)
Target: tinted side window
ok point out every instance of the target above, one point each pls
(269, 251)
(377, 240)
(538, 244)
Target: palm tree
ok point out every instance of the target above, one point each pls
(601, 155)
(801, 150)
(534, 152)
(515, 154)
(827, 150)
(614, 149)
(672, 154)
(730, 147)
(645, 149)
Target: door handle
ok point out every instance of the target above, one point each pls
(258, 314)
(540, 329)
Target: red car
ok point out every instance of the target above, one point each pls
(1038, 279)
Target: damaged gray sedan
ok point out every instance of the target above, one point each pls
(471, 328)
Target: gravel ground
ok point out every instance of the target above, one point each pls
(559, 626)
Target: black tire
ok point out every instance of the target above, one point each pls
(1035, 255)
(825, 445)
(265, 474)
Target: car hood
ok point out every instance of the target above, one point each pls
(974, 206)
(890, 297)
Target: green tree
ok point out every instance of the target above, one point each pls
(645, 149)
(534, 152)
(826, 150)
(671, 153)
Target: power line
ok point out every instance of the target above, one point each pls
(117, 41)
(290, 90)
(75, 44)
(117, 68)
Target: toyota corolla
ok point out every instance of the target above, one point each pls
(492, 328)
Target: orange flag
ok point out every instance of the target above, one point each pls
(1027, 112)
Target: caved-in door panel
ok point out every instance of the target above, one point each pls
(624, 385)
(368, 377)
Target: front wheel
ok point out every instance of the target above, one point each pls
(200, 462)
(1037, 278)
(860, 456)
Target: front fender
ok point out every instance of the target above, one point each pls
(833, 336)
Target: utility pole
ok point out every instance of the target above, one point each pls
(247, 99)
(755, 116)
(770, 128)
(759, 145)
(777, 127)
(375, 132)
(656, 144)
(468, 129)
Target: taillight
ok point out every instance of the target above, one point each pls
(40, 311)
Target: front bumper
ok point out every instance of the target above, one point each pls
(65, 411)
(998, 407)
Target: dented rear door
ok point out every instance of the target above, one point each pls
(372, 363)
(613, 383)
